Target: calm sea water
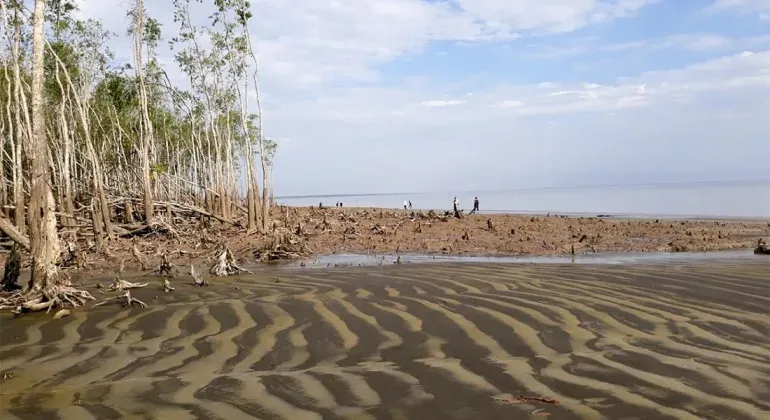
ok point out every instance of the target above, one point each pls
(694, 200)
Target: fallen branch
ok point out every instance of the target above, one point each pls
(129, 301)
(120, 285)
(202, 212)
(10, 230)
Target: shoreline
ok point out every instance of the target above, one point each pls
(570, 214)
(306, 233)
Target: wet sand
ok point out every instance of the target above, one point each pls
(426, 341)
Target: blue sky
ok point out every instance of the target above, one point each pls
(411, 95)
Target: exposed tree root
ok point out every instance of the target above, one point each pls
(125, 299)
(199, 281)
(120, 285)
(167, 286)
(139, 257)
(59, 293)
(165, 267)
(284, 246)
(226, 266)
(762, 248)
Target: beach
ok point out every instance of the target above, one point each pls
(444, 341)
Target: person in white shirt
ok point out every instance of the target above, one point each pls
(406, 204)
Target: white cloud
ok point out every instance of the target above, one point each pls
(439, 103)
(348, 125)
(758, 7)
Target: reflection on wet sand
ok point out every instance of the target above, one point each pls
(688, 340)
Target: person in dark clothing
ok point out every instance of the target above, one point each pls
(475, 205)
(410, 204)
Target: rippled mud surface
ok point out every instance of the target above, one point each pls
(685, 339)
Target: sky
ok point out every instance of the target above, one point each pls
(376, 96)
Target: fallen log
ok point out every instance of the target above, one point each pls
(202, 212)
(10, 230)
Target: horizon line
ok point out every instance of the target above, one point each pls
(497, 190)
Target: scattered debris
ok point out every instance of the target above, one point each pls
(762, 248)
(511, 399)
(61, 313)
(284, 246)
(167, 286)
(120, 285)
(225, 265)
(165, 267)
(197, 277)
(125, 299)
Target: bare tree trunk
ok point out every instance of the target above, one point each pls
(44, 239)
(146, 137)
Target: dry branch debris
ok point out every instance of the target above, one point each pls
(125, 300)
(199, 281)
(120, 285)
(226, 266)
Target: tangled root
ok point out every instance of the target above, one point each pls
(226, 266)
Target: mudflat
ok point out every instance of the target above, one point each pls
(427, 341)
(317, 232)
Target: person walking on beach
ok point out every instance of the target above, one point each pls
(410, 204)
(406, 204)
(475, 205)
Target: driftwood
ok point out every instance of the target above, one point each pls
(199, 281)
(225, 265)
(125, 299)
(120, 285)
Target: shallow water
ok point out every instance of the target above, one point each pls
(744, 200)
(598, 258)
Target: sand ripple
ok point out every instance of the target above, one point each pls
(428, 341)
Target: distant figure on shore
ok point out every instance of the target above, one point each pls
(456, 206)
(475, 205)
(410, 204)
(340, 204)
(406, 204)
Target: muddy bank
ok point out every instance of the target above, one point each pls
(304, 232)
(461, 341)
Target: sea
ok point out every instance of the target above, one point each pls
(744, 200)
